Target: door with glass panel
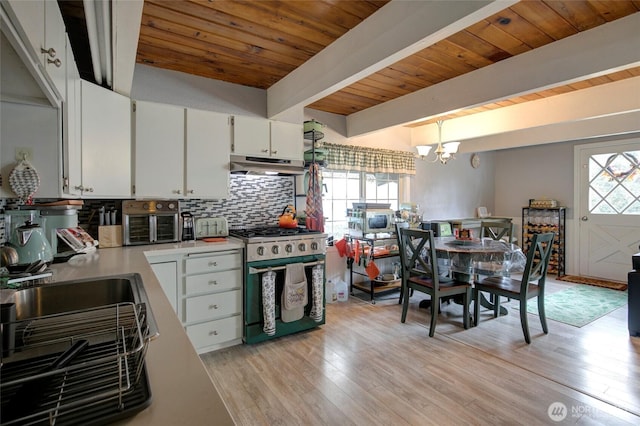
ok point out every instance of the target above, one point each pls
(609, 208)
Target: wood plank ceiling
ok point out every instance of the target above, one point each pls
(257, 43)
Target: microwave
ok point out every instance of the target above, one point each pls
(371, 221)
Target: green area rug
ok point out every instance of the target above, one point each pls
(579, 305)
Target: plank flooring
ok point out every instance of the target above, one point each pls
(364, 367)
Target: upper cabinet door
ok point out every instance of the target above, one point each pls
(159, 150)
(106, 142)
(251, 136)
(43, 30)
(287, 140)
(208, 145)
(54, 50)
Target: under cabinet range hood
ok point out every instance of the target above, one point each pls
(242, 164)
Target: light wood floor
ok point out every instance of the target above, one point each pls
(364, 367)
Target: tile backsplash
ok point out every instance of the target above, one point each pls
(254, 201)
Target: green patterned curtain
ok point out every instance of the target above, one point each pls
(363, 159)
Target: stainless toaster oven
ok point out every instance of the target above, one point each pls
(150, 222)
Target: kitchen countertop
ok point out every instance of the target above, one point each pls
(182, 392)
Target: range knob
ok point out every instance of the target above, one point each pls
(275, 249)
(159, 206)
(302, 247)
(314, 245)
(260, 251)
(288, 248)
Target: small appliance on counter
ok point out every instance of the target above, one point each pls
(188, 233)
(211, 227)
(150, 222)
(31, 244)
(369, 219)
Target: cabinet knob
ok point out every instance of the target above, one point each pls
(274, 152)
(213, 306)
(189, 191)
(57, 62)
(213, 333)
(88, 189)
(213, 282)
(176, 191)
(264, 150)
(213, 263)
(78, 188)
(50, 51)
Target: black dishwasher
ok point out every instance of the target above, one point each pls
(634, 296)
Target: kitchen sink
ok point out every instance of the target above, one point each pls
(78, 295)
(77, 349)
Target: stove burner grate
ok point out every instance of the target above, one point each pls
(270, 231)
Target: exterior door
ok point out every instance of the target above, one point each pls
(608, 208)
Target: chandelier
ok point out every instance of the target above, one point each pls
(444, 152)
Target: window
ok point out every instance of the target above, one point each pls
(343, 188)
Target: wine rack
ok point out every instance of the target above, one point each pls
(541, 220)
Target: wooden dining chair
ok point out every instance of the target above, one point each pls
(531, 285)
(497, 230)
(420, 273)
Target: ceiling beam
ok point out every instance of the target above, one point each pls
(602, 50)
(126, 17)
(611, 100)
(395, 31)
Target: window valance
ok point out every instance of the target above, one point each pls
(363, 159)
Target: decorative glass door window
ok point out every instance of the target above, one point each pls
(614, 183)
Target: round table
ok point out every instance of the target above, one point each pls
(486, 257)
(467, 259)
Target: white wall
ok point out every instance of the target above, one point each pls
(454, 190)
(177, 88)
(35, 128)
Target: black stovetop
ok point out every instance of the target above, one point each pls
(270, 231)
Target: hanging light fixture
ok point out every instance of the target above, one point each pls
(444, 152)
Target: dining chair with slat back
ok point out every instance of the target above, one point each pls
(531, 285)
(420, 273)
(497, 230)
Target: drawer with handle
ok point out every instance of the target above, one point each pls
(215, 281)
(214, 332)
(213, 306)
(213, 263)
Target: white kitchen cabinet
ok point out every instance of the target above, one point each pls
(72, 131)
(208, 146)
(287, 140)
(205, 290)
(212, 304)
(159, 150)
(43, 27)
(267, 138)
(251, 136)
(106, 143)
(181, 153)
(167, 274)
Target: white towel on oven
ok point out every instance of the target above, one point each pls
(269, 302)
(294, 293)
(317, 293)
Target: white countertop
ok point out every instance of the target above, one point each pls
(182, 392)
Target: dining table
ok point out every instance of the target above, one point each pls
(469, 259)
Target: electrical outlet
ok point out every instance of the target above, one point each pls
(24, 154)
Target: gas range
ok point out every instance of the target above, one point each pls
(272, 242)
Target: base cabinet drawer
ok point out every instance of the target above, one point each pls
(215, 332)
(213, 306)
(218, 262)
(215, 281)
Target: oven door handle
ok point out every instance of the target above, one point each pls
(253, 270)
